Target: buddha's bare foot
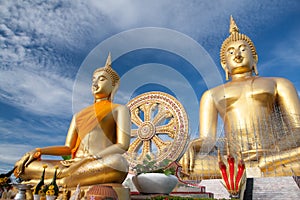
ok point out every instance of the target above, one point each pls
(61, 173)
(31, 182)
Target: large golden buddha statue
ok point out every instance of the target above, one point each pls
(97, 138)
(261, 116)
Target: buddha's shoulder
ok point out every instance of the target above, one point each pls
(120, 108)
(271, 79)
(226, 87)
(278, 82)
(215, 90)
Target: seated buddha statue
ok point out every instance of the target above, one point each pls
(260, 116)
(97, 137)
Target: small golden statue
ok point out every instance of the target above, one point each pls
(261, 116)
(97, 138)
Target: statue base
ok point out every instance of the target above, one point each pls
(283, 187)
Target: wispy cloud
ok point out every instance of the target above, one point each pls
(33, 132)
(205, 21)
(283, 60)
(283, 51)
(19, 136)
(43, 94)
(13, 152)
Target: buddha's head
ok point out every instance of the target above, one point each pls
(238, 54)
(105, 81)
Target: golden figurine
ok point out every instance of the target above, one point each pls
(98, 136)
(260, 116)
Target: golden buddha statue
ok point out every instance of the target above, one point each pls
(97, 138)
(260, 116)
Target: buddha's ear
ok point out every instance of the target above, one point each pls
(224, 66)
(255, 57)
(254, 68)
(226, 74)
(113, 92)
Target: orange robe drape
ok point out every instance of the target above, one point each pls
(87, 119)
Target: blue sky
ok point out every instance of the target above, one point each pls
(49, 49)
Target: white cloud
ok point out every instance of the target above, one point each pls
(43, 94)
(31, 132)
(19, 137)
(195, 18)
(13, 152)
(286, 51)
(282, 59)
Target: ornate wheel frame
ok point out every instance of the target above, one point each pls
(159, 128)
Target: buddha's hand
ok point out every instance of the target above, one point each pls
(73, 165)
(26, 160)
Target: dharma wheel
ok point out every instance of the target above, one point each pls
(159, 128)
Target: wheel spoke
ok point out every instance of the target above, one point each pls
(135, 145)
(161, 145)
(135, 118)
(147, 109)
(169, 129)
(162, 113)
(145, 150)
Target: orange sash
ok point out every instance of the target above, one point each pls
(89, 118)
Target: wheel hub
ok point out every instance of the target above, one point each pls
(146, 131)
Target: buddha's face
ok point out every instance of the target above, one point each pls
(102, 85)
(239, 57)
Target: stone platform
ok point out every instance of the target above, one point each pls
(259, 188)
(272, 188)
(137, 196)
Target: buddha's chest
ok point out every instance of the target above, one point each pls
(249, 93)
(95, 141)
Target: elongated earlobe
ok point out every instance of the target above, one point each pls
(255, 69)
(226, 73)
(112, 95)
